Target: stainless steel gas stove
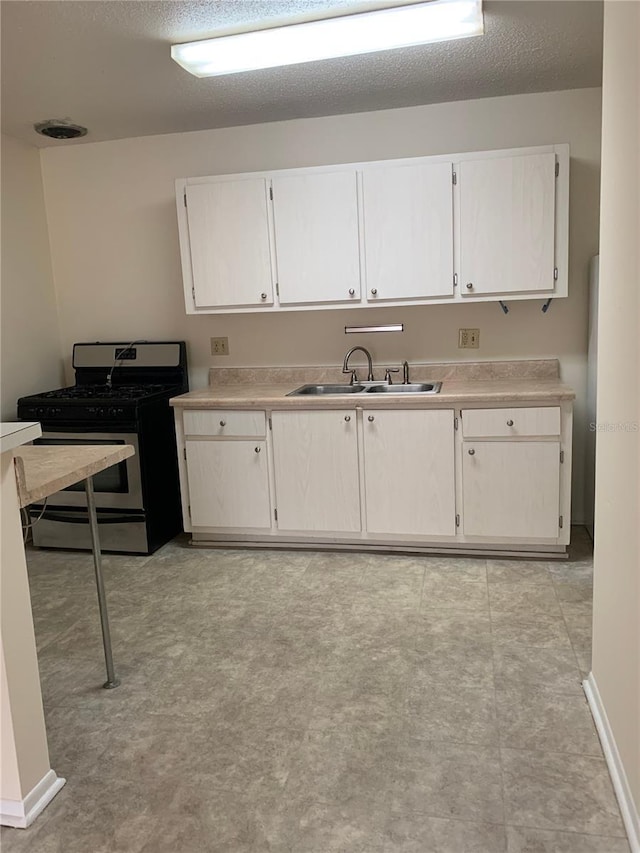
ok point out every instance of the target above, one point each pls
(121, 396)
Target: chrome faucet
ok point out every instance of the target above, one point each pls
(405, 372)
(354, 375)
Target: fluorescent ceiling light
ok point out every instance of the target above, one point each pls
(368, 32)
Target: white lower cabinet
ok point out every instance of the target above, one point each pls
(317, 484)
(228, 483)
(409, 472)
(473, 478)
(511, 489)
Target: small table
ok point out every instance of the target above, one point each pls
(42, 471)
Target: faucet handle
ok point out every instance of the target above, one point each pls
(387, 373)
(354, 375)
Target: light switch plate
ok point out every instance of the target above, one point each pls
(219, 346)
(468, 338)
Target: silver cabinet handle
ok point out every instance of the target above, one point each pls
(472, 452)
(374, 291)
(470, 285)
(371, 418)
(509, 422)
(257, 449)
(223, 423)
(352, 292)
(263, 296)
(347, 418)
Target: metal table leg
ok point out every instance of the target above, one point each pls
(111, 681)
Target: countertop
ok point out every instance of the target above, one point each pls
(41, 471)
(490, 382)
(17, 433)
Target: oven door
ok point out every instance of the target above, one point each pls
(116, 488)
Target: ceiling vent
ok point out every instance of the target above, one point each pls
(60, 129)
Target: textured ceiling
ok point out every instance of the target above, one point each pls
(106, 65)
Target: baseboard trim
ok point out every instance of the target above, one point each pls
(630, 815)
(21, 813)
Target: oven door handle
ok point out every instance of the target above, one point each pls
(128, 518)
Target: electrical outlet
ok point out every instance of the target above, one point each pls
(468, 338)
(219, 346)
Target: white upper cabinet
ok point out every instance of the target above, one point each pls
(316, 237)
(408, 231)
(378, 233)
(507, 225)
(229, 243)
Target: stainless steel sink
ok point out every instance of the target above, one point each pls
(314, 390)
(412, 388)
(381, 388)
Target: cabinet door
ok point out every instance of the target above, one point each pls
(316, 227)
(228, 484)
(408, 231)
(316, 471)
(507, 225)
(409, 472)
(229, 243)
(511, 488)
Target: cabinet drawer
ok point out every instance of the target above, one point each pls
(502, 423)
(219, 423)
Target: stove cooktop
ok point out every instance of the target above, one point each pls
(114, 394)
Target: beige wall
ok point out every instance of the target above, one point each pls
(616, 638)
(30, 335)
(114, 239)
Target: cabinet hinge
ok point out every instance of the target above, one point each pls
(561, 522)
(275, 514)
(270, 423)
(184, 452)
(454, 178)
(185, 198)
(455, 279)
(557, 169)
(277, 289)
(189, 508)
(555, 273)
(193, 292)
(271, 193)
(455, 423)
(561, 456)
(457, 520)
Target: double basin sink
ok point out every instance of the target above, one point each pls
(381, 388)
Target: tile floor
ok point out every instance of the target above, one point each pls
(320, 702)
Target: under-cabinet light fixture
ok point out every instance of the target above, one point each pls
(391, 327)
(348, 35)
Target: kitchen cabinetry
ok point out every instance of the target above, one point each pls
(446, 228)
(473, 479)
(408, 231)
(227, 255)
(507, 225)
(316, 237)
(226, 461)
(409, 472)
(511, 472)
(316, 471)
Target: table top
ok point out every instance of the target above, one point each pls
(41, 471)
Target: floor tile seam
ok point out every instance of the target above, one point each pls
(466, 820)
(539, 828)
(522, 646)
(573, 645)
(543, 752)
(503, 787)
(549, 752)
